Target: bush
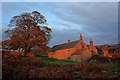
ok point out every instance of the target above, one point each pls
(29, 68)
(7, 72)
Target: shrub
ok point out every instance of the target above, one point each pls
(7, 72)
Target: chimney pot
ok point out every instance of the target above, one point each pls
(68, 41)
(80, 36)
(90, 39)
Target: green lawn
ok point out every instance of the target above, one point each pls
(47, 60)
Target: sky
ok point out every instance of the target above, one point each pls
(96, 20)
(59, 0)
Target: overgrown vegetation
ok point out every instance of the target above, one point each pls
(44, 68)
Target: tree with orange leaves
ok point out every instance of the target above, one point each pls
(29, 32)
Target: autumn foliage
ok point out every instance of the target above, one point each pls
(28, 32)
(27, 68)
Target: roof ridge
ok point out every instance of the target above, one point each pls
(64, 45)
(66, 42)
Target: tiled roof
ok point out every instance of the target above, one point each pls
(64, 46)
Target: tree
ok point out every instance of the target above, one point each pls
(28, 31)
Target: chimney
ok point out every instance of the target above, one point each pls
(80, 36)
(91, 42)
(68, 41)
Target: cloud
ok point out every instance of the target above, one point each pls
(12, 7)
(69, 19)
(61, 36)
(86, 13)
(4, 36)
(98, 20)
(60, 1)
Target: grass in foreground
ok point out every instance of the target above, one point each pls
(43, 67)
(47, 60)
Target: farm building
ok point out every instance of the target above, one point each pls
(75, 50)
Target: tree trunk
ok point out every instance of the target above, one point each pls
(25, 53)
(29, 50)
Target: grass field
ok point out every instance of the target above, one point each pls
(47, 60)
